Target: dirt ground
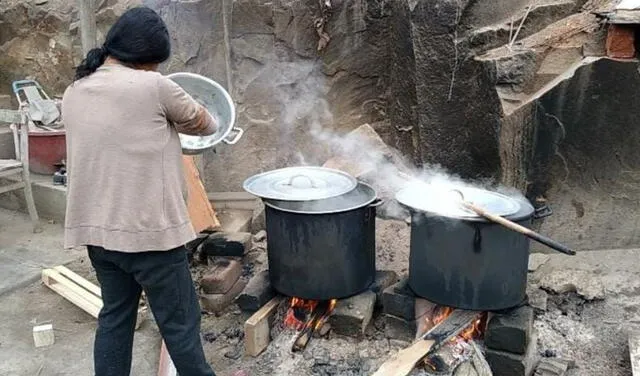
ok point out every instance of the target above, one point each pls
(593, 333)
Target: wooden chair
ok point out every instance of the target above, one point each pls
(20, 165)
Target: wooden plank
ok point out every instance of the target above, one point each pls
(12, 187)
(80, 291)
(95, 290)
(405, 360)
(166, 366)
(201, 212)
(479, 362)
(634, 352)
(72, 292)
(257, 329)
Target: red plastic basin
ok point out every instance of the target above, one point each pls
(46, 149)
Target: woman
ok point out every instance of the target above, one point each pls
(125, 192)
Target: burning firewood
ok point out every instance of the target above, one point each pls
(478, 360)
(308, 316)
(405, 361)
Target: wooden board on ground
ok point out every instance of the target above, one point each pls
(634, 352)
(257, 329)
(405, 360)
(201, 212)
(166, 367)
(79, 291)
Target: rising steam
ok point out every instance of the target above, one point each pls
(301, 90)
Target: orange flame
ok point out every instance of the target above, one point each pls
(473, 331)
(307, 307)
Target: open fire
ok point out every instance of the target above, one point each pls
(307, 317)
(458, 349)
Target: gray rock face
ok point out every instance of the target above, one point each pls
(284, 88)
(404, 64)
(458, 108)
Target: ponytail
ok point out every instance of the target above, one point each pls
(95, 58)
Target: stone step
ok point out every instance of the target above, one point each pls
(526, 69)
(542, 14)
(51, 203)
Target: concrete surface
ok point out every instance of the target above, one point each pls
(25, 302)
(51, 200)
(23, 254)
(591, 329)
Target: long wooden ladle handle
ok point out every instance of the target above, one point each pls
(518, 228)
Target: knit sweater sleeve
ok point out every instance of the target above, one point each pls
(181, 110)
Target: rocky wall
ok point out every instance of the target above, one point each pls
(285, 88)
(585, 160)
(405, 66)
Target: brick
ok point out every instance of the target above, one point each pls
(221, 277)
(257, 293)
(215, 303)
(384, 279)
(399, 329)
(399, 301)
(553, 367)
(621, 42)
(226, 244)
(504, 363)
(352, 316)
(510, 331)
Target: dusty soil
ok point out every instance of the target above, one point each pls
(593, 333)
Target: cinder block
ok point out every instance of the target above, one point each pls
(398, 300)
(352, 316)
(510, 331)
(221, 276)
(257, 293)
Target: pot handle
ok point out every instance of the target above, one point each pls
(301, 176)
(542, 212)
(236, 138)
(377, 202)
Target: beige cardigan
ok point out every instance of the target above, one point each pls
(126, 182)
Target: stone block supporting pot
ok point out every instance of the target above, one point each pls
(257, 293)
(398, 300)
(510, 331)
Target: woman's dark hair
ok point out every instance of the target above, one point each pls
(139, 36)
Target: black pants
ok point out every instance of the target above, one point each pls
(166, 280)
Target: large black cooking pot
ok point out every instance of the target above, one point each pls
(465, 261)
(322, 249)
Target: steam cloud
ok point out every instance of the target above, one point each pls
(301, 91)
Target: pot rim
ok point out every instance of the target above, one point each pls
(373, 200)
(526, 210)
(347, 184)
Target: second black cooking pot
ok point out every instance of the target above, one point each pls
(461, 260)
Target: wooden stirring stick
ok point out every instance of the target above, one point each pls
(516, 227)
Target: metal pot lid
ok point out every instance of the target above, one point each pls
(300, 184)
(359, 197)
(441, 200)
